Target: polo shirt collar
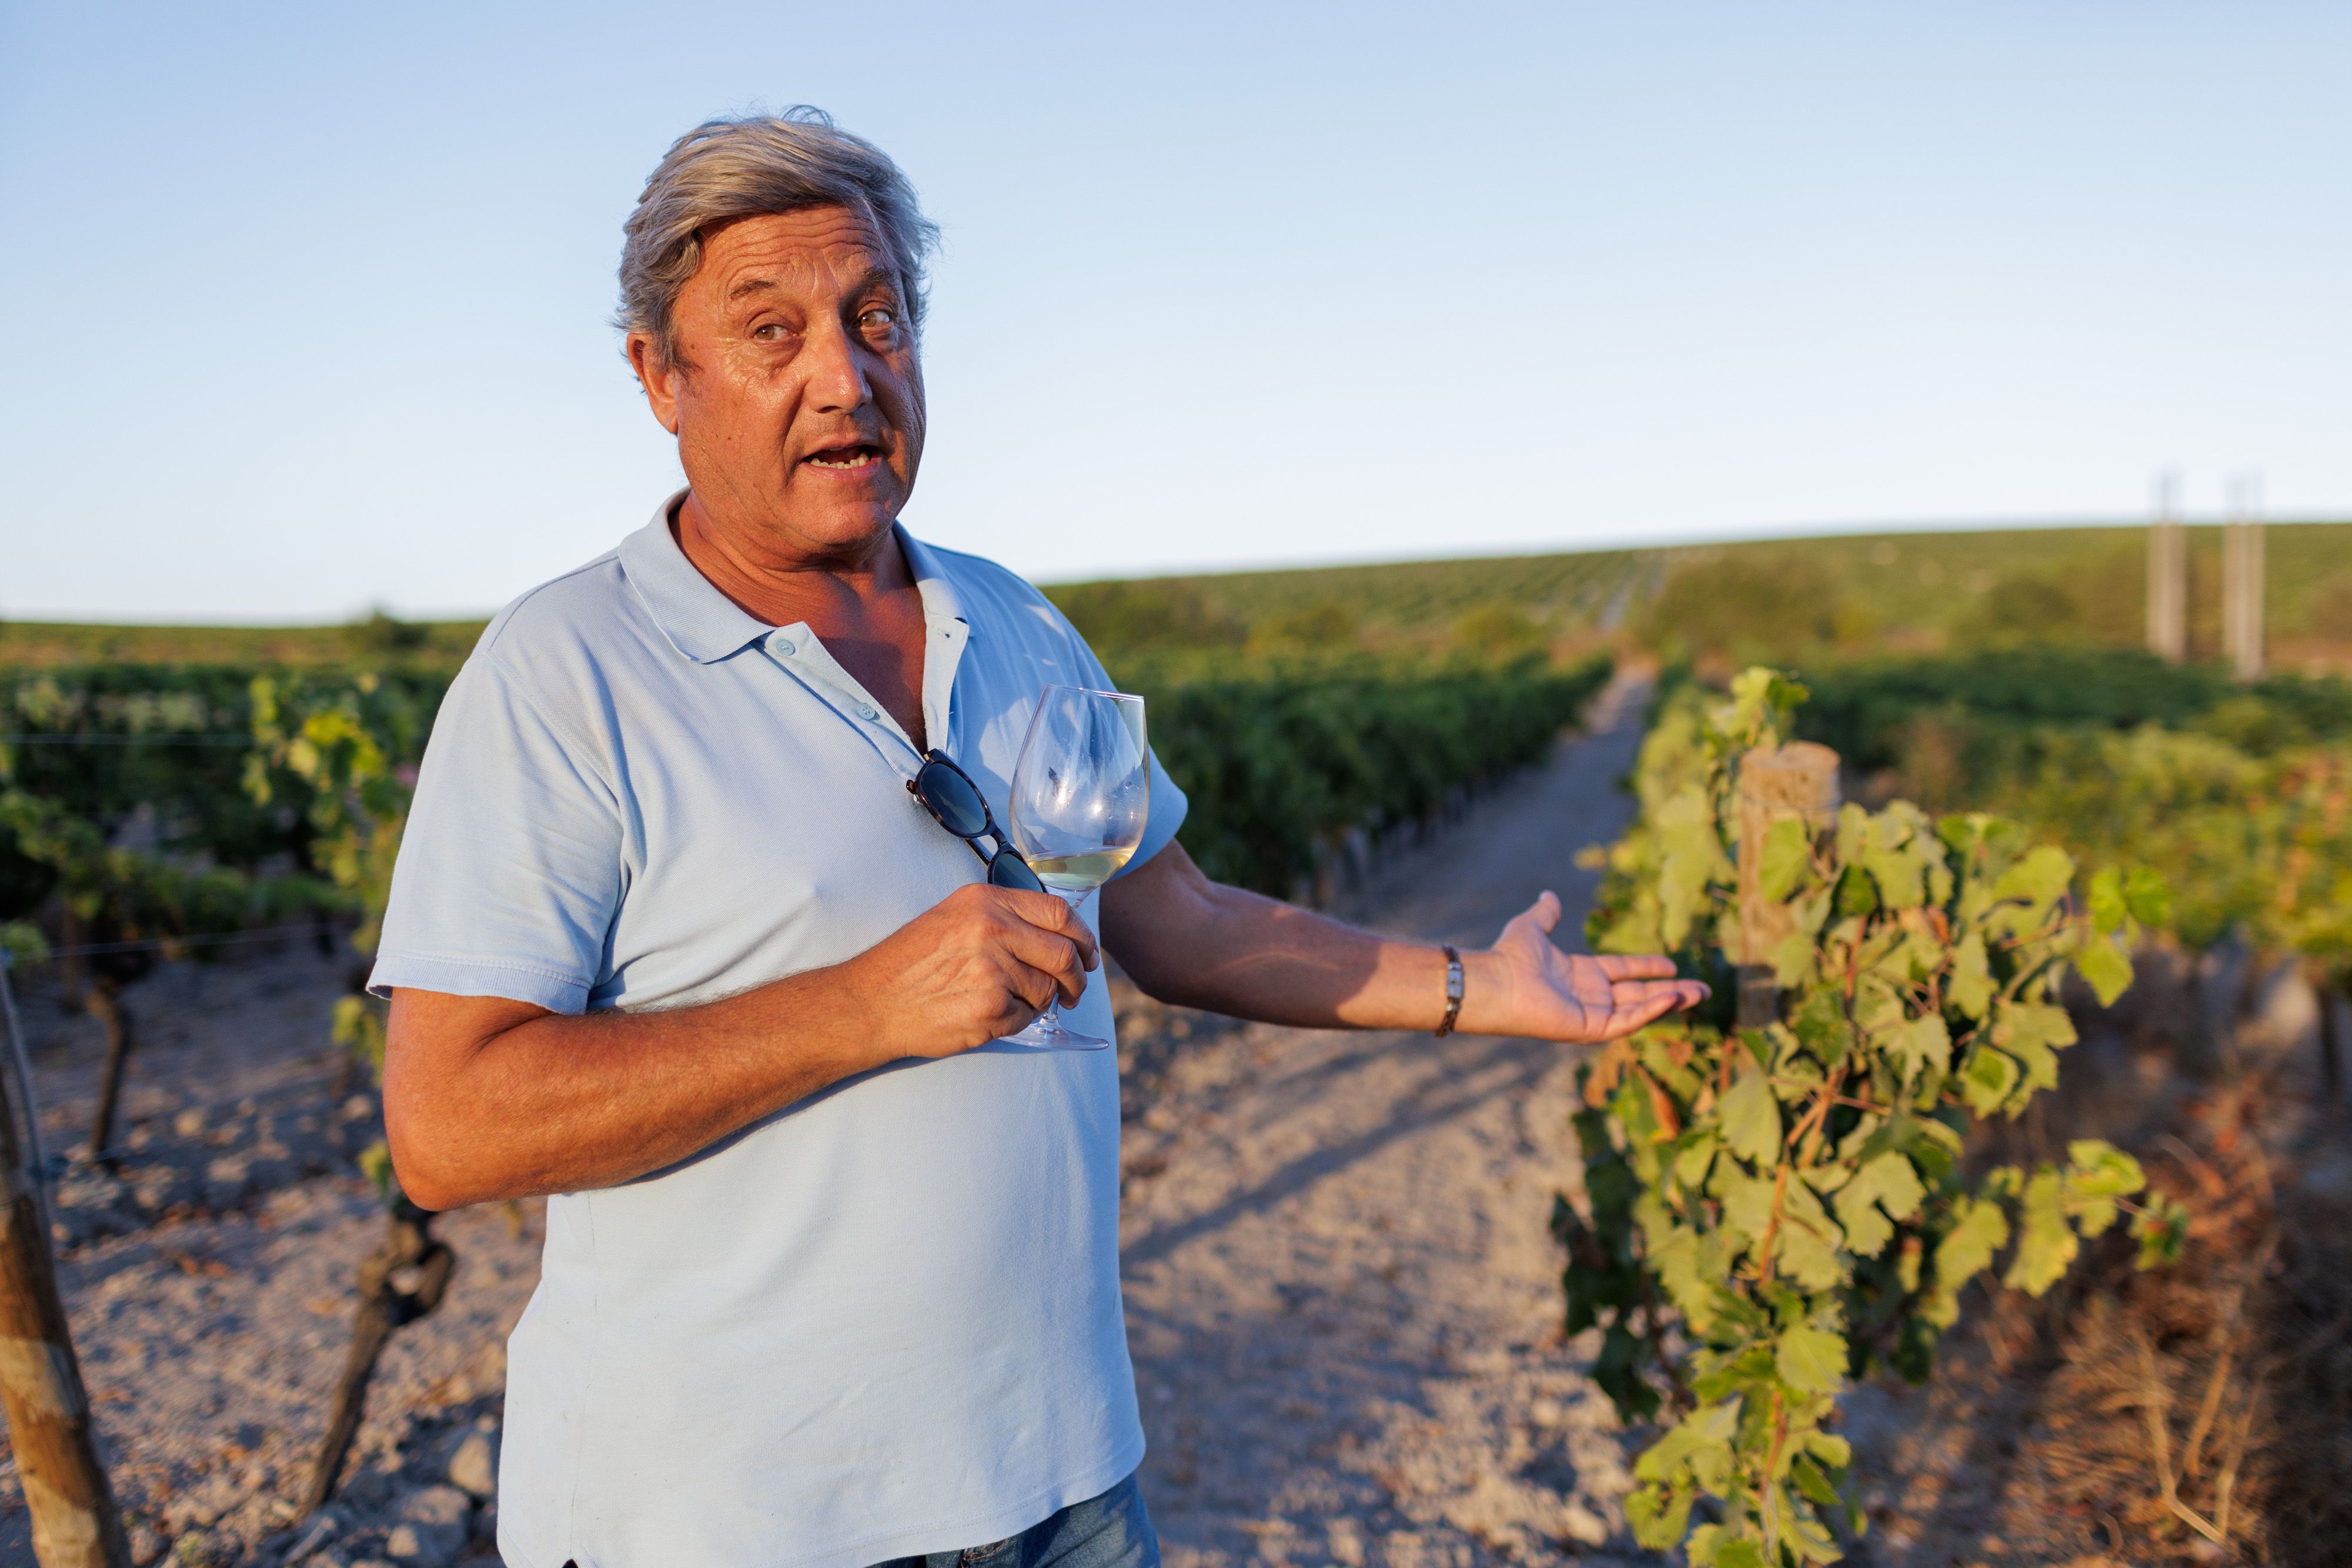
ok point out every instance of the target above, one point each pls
(940, 603)
(700, 623)
(706, 626)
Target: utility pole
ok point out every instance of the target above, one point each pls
(2168, 573)
(2243, 575)
(75, 1521)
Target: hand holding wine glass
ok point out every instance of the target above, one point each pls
(1081, 791)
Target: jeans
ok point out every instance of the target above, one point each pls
(1107, 1531)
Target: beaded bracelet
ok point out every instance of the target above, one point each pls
(1452, 990)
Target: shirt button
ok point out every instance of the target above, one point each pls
(865, 710)
(785, 648)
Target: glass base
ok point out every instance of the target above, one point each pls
(1045, 1032)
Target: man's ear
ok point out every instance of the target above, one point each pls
(658, 375)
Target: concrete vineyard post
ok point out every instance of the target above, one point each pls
(75, 1521)
(2241, 596)
(2168, 576)
(1799, 780)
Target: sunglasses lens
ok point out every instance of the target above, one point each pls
(952, 799)
(1009, 870)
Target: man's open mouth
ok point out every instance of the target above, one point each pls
(846, 457)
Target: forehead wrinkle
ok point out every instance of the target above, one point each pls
(821, 230)
(780, 266)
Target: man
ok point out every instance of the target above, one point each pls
(831, 1273)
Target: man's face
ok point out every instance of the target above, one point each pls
(797, 402)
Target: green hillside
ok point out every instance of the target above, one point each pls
(378, 640)
(1806, 601)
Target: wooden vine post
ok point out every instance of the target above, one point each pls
(75, 1521)
(102, 1000)
(409, 1249)
(1799, 780)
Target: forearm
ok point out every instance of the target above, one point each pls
(486, 1098)
(550, 1103)
(1204, 945)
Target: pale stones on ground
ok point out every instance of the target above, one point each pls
(475, 1465)
(194, 1550)
(421, 1546)
(432, 1526)
(147, 1542)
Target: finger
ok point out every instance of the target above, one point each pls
(1638, 993)
(1636, 965)
(1624, 1021)
(1056, 956)
(1027, 992)
(1046, 912)
(1544, 911)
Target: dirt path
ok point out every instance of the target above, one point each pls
(1342, 1297)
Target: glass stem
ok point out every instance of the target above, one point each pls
(1054, 1005)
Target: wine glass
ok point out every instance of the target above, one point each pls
(1080, 792)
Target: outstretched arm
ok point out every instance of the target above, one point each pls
(1197, 943)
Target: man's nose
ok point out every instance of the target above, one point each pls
(836, 372)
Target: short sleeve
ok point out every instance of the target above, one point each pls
(1169, 805)
(511, 869)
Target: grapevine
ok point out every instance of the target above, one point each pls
(1282, 760)
(1774, 1210)
(2237, 796)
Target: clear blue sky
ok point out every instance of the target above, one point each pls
(310, 303)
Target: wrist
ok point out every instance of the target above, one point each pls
(858, 1033)
(1454, 976)
(1484, 999)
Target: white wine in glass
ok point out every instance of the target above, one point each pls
(1081, 791)
(1079, 874)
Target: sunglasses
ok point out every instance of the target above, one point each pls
(955, 803)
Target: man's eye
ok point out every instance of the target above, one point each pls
(879, 319)
(769, 331)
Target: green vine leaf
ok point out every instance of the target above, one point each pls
(2104, 962)
(1970, 985)
(1701, 1440)
(2099, 1174)
(2040, 880)
(1749, 1118)
(1987, 1079)
(1811, 1360)
(1787, 860)
(1923, 1045)
(1880, 1193)
(2045, 1243)
(2033, 1032)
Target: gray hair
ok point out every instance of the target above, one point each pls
(728, 169)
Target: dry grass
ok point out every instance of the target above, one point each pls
(2201, 1414)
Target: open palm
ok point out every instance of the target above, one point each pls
(1547, 994)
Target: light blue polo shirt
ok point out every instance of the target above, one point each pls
(885, 1321)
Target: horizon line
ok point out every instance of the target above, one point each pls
(1603, 546)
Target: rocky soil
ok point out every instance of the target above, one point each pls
(209, 1273)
